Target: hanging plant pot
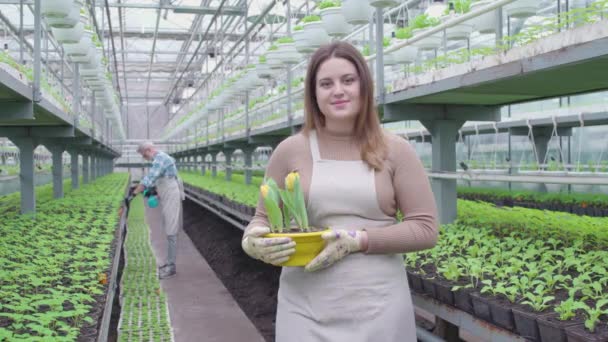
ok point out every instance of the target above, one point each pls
(273, 59)
(431, 42)
(406, 54)
(460, 31)
(301, 42)
(356, 12)
(288, 53)
(56, 8)
(522, 8)
(485, 23)
(82, 48)
(383, 3)
(86, 58)
(389, 59)
(263, 70)
(334, 22)
(69, 35)
(65, 22)
(316, 34)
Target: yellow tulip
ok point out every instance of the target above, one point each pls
(290, 180)
(264, 190)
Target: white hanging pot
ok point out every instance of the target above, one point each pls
(263, 70)
(82, 48)
(522, 8)
(406, 54)
(316, 34)
(273, 59)
(289, 54)
(428, 43)
(356, 12)
(66, 22)
(460, 31)
(69, 35)
(389, 59)
(334, 22)
(383, 3)
(56, 8)
(485, 23)
(81, 58)
(301, 42)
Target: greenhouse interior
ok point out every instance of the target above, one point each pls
(141, 198)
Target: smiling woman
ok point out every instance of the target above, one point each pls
(355, 177)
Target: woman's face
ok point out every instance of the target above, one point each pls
(338, 90)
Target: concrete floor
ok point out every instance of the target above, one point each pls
(200, 307)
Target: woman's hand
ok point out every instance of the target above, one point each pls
(338, 244)
(274, 251)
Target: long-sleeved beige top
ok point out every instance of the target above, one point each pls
(401, 184)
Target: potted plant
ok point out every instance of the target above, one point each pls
(314, 31)
(273, 57)
(333, 20)
(408, 53)
(287, 51)
(68, 35)
(56, 8)
(356, 12)
(389, 58)
(460, 31)
(301, 40)
(68, 21)
(522, 8)
(422, 23)
(284, 206)
(485, 23)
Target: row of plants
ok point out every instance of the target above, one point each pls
(522, 269)
(56, 264)
(539, 224)
(581, 204)
(593, 13)
(144, 313)
(10, 204)
(542, 289)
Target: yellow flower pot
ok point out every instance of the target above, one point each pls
(308, 246)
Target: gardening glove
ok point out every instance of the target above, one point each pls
(274, 251)
(338, 244)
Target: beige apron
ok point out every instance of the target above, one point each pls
(361, 298)
(170, 195)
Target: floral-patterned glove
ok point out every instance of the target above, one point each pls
(274, 251)
(338, 244)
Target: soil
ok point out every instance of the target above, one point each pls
(251, 283)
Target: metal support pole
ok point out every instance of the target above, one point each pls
(26, 175)
(76, 94)
(203, 165)
(93, 167)
(510, 156)
(21, 36)
(443, 135)
(85, 168)
(74, 168)
(37, 50)
(248, 165)
(57, 152)
(214, 164)
(228, 155)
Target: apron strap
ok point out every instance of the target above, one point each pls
(314, 146)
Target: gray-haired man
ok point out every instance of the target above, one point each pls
(163, 174)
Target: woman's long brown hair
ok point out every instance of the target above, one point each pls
(367, 128)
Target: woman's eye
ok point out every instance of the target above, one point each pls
(325, 84)
(349, 80)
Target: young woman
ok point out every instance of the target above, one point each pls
(355, 177)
